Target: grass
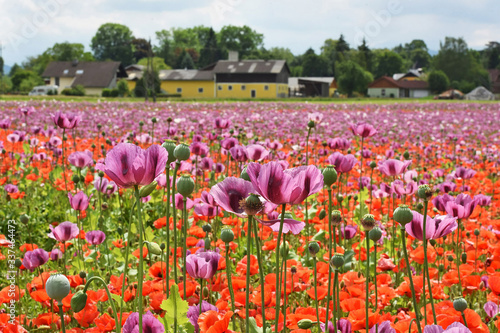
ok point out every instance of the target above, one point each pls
(355, 100)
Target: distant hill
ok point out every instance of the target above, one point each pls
(6, 69)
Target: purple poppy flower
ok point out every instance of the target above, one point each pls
(219, 168)
(280, 186)
(400, 189)
(410, 175)
(342, 163)
(447, 187)
(35, 258)
(482, 200)
(491, 309)
(462, 207)
(26, 110)
(5, 123)
(344, 326)
(229, 143)
(440, 201)
(464, 173)
(64, 231)
(383, 327)
(179, 202)
(457, 327)
(239, 153)
(437, 227)
(11, 188)
(339, 143)
(257, 152)
(433, 329)
(392, 168)
(95, 237)
(79, 201)
(206, 163)
(162, 180)
(56, 254)
(289, 225)
(199, 148)
(105, 186)
(363, 130)
(81, 159)
(202, 264)
(149, 323)
(230, 192)
(129, 165)
(194, 312)
(66, 120)
(348, 231)
(222, 123)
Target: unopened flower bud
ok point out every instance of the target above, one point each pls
(154, 248)
(305, 324)
(24, 218)
(313, 248)
(207, 228)
(476, 232)
(460, 304)
(368, 222)
(464, 258)
(373, 165)
(322, 214)
(148, 189)
(78, 301)
(329, 175)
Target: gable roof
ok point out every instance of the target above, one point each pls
(186, 75)
(251, 66)
(389, 82)
(98, 74)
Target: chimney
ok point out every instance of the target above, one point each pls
(74, 63)
(233, 56)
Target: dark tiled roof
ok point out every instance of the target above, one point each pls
(87, 73)
(250, 66)
(186, 75)
(389, 82)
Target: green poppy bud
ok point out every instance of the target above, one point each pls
(329, 175)
(78, 301)
(182, 152)
(322, 214)
(311, 124)
(57, 287)
(154, 120)
(227, 235)
(368, 222)
(18, 263)
(464, 258)
(373, 165)
(424, 192)
(441, 268)
(154, 248)
(433, 242)
(337, 260)
(450, 258)
(169, 146)
(460, 304)
(403, 215)
(476, 232)
(305, 324)
(207, 228)
(148, 189)
(244, 175)
(162, 246)
(24, 218)
(185, 185)
(82, 275)
(75, 179)
(406, 155)
(375, 234)
(313, 248)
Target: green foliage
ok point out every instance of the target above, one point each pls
(438, 81)
(415, 54)
(14, 69)
(106, 92)
(113, 41)
(157, 62)
(142, 48)
(364, 57)
(150, 82)
(242, 39)
(314, 65)
(122, 88)
(1, 66)
(79, 90)
(387, 63)
(185, 61)
(351, 77)
(68, 52)
(27, 85)
(5, 84)
(32, 79)
(210, 53)
(175, 308)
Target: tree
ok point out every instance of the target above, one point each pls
(341, 48)
(122, 87)
(438, 81)
(210, 53)
(165, 49)
(14, 69)
(141, 47)
(352, 77)
(185, 61)
(242, 39)
(314, 65)
(415, 54)
(387, 63)
(157, 62)
(365, 57)
(328, 50)
(492, 55)
(113, 41)
(459, 63)
(68, 52)
(30, 78)
(1, 66)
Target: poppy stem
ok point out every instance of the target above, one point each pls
(457, 251)
(167, 216)
(201, 294)
(174, 214)
(316, 292)
(125, 269)
(110, 299)
(278, 281)
(229, 283)
(415, 304)
(367, 277)
(426, 267)
(261, 275)
(465, 321)
(64, 259)
(375, 276)
(184, 245)
(141, 269)
(329, 189)
(247, 289)
(61, 314)
(335, 309)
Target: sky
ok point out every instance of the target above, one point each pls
(29, 27)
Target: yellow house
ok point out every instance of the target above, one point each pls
(94, 76)
(188, 83)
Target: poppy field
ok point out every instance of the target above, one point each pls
(249, 217)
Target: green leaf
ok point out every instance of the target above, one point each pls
(175, 307)
(116, 298)
(253, 326)
(320, 236)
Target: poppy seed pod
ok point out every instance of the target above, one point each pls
(185, 185)
(148, 189)
(244, 175)
(337, 260)
(375, 234)
(313, 248)
(368, 222)
(336, 217)
(57, 287)
(403, 215)
(182, 152)
(373, 165)
(78, 301)
(311, 124)
(329, 175)
(476, 232)
(252, 205)
(460, 304)
(305, 324)
(424, 192)
(207, 228)
(227, 235)
(82, 275)
(169, 146)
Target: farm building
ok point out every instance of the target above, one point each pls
(388, 87)
(94, 76)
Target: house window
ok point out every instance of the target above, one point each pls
(79, 71)
(229, 87)
(266, 87)
(200, 90)
(382, 92)
(57, 81)
(243, 87)
(179, 90)
(219, 87)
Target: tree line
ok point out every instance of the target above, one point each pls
(354, 67)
